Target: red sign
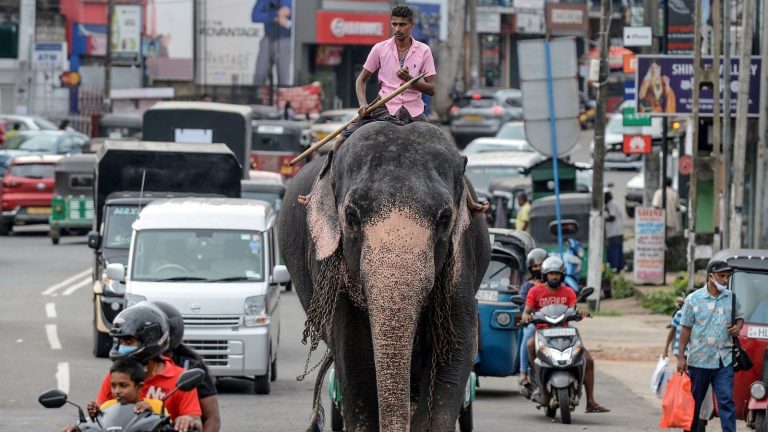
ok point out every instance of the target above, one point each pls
(686, 165)
(69, 79)
(630, 63)
(637, 144)
(342, 28)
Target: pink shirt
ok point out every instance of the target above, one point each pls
(383, 57)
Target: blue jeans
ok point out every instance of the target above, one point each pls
(721, 380)
(528, 331)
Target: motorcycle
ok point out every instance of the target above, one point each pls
(557, 371)
(121, 417)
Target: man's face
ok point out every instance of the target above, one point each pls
(722, 277)
(554, 277)
(401, 27)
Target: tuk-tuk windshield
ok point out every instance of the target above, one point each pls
(500, 276)
(119, 221)
(482, 176)
(278, 141)
(752, 292)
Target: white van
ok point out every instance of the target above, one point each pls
(215, 260)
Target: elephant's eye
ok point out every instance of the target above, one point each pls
(352, 217)
(444, 219)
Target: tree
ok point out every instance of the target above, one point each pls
(450, 59)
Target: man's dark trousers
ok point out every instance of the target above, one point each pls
(721, 380)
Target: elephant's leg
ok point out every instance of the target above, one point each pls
(355, 369)
(450, 378)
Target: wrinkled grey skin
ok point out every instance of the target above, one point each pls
(410, 247)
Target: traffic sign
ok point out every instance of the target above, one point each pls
(630, 118)
(637, 144)
(686, 165)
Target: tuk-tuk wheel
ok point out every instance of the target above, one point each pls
(761, 421)
(55, 236)
(5, 228)
(465, 419)
(337, 421)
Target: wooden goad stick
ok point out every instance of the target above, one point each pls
(376, 103)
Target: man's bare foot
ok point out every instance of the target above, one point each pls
(595, 407)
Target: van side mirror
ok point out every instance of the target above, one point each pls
(116, 272)
(94, 240)
(54, 398)
(280, 275)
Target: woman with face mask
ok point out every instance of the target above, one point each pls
(706, 325)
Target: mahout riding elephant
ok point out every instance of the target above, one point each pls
(386, 248)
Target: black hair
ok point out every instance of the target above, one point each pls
(668, 182)
(402, 11)
(133, 368)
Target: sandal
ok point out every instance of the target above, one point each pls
(597, 408)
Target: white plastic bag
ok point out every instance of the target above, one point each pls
(658, 373)
(667, 373)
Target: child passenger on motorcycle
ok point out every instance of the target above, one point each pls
(553, 291)
(127, 380)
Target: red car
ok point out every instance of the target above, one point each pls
(26, 191)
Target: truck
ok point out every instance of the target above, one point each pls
(129, 175)
(202, 122)
(216, 261)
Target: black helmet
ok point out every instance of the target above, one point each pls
(553, 264)
(145, 322)
(175, 323)
(535, 256)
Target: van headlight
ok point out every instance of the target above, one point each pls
(255, 311)
(132, 299)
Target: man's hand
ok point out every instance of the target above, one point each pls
(284, 17)
(141, 406)
(735, 329)
(682, 364)
(187, 423)
(584, 314)
(93, 409)
(526, 318)
(403, 74)
(361, 111)
(665, 353)
(71, 428)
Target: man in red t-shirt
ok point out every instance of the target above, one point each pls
(552, 291)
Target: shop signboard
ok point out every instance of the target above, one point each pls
(649, 246)
(50, 56)
(664, 85)
(347, 28)
(530, 16)
(566, 19)
(680, 26)
(126, 35)
(638, 36)
(245, 42)
(168, 44)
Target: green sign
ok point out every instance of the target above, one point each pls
(632, 119)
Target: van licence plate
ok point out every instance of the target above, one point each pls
(39, 210)
(557, 332)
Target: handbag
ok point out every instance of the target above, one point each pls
(741, 360)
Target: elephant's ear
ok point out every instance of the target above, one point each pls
(322, 217)
(468, 209)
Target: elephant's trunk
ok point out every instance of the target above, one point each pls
(397, 269)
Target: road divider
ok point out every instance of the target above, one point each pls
(62, 377)
(77, 286)
(50, 310)
(53, 336)
(65, 283)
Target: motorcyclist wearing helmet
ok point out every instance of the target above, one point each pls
(533, 261)
(141, 333)
(553, 291)
(187, 358)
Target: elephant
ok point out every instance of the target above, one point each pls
(386, 247)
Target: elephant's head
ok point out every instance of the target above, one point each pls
(388, 214)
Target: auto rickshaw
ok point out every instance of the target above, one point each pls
(72, 203)
(276, 142)
(504, 192)
(750, 284)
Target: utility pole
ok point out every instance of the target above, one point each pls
(761, 141)
(596, 227)
(740, 139)
(698, 79)
(651, 160)
(727, 165)
(474, 46)
(716, 120)
(107, 102)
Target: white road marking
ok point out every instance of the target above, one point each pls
(50, 290)
(53, 337)
(50, 310)
(62, 377)
(77, 286)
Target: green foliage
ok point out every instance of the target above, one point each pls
(606, 313)
(620, 286)
(666, 301)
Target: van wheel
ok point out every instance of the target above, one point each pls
(465, 419)
(261, 384)
(288, 286)
(273, 374)
(337, 421)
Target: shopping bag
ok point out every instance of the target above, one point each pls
(678, 405)
(658, 373)
(667, 373)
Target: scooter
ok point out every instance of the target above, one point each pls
(121, 417)
(557, 372)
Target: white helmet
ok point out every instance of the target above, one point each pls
(552, 264)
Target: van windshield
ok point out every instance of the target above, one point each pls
(198, 255)
(119, 221)
(752, 292)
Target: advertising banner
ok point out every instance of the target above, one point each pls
(564, 19)
(346, 28)
(649, 246)
(126, 35)
(664, 86)
(244, 42)
(169, 45)
(680, 26)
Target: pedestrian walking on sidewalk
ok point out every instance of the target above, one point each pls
(614, 233)
(707, 326)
